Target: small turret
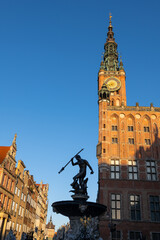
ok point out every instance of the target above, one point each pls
(121, 64)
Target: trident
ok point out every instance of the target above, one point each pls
(70, 161)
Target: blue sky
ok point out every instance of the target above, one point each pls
(50, 53)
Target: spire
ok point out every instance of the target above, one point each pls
(110, 47)
(121, 64)
(14, 142)
(110, 34)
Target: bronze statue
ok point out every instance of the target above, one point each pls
(82, 168)
(80, 184)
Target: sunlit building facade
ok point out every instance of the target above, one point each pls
(23, 202)
(128, 153)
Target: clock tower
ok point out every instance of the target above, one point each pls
(128, 153)
(111, 77)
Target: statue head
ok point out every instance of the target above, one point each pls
(78, 157)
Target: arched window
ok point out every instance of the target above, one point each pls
(117, 102)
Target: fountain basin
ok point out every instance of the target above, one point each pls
(79, 208)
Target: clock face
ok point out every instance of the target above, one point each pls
(113, 84)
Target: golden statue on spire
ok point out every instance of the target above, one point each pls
(110, 18)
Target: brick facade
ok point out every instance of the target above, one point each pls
(128, 153)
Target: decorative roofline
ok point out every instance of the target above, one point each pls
(132, 108)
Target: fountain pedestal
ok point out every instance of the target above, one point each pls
(83, 216)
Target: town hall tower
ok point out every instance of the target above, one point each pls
(128, 153)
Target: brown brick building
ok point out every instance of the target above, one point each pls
(128, 155)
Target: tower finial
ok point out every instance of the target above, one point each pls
(14, 140)
(121, 63)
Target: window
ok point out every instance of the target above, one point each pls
(16, 207)
(16, 190)
(114, 140)
(4, 180)
(13, 204)
(7, 183)
(133, 169)
(22, 196)
(135, 235)
(104, 138)
(155, 208)
(130, 128)
(22, 212)
(116, 235)
(5, 202)
(19, 213)
(147, 141)
(12, 188)
(135, 207)
(104, 125)
(131, 140)
(146, 129)
(2, 199)
(17, 227)
(155, 236)
(151, 170)
(116, 206)
(104, 150)
(115, 169)
(114, 128)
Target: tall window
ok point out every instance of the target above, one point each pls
(131, 140)
(135, 235)
(114, 140)
(116, 235)
(16, 189)
(135, 207)
(116, 206)
(130, 128)
(17, 227)
(155, 236)
(4, 180)
(13, 204)
(115, 169)
(16, 207)
(146, 129)
(133, 169)
(155, 208)
(151, 170)
(114, 128)
(18, 192)
(147, 141)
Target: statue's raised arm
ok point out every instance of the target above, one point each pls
(87, 163)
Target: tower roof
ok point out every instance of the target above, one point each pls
(110, 55)
(50, 224)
